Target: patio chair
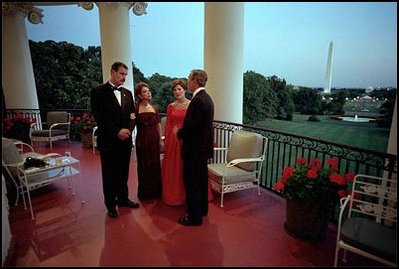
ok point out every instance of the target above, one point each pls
(13, 162)
(367, 220)
(94, 139)
(244, 160)
(59, 126)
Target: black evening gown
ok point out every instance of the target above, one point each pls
(148, 155)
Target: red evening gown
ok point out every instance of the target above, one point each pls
(173, 192)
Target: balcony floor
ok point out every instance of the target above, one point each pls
(248, 231)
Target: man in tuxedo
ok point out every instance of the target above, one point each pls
(112, 107)
(197, 147)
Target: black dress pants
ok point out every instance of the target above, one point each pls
(115, 174)
(195, 175)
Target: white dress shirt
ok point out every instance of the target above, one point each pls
(117, 93)
(197, 91)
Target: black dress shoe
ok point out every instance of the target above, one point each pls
(187, 222)
(112, 213)
(128, 203)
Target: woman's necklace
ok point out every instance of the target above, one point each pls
(146, 107)
(181, 104)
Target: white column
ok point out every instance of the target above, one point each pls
(224, 38)
(5, 224)
(115, 38)
(18, 80)
(393, 134)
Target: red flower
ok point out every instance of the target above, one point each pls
(279, 185)
(340, 180)
(350, 176)
(17, 127)
(301, 161)
(312, 174)
(315, 164)
(83, 124)
(311, 183)
(287, 172)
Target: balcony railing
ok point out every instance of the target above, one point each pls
(283, 149)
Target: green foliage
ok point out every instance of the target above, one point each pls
(82, 123)
(365, 135)
(387, 109)
(138, 76)
(307, 101)
(260, 101)
(159, 86)
(65, 73)
(285, 104)
(336, 105)
(312, 183)
(313, 118)
(17, 128)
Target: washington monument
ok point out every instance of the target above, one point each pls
(327, 86)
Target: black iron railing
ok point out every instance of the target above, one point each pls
(282, 150)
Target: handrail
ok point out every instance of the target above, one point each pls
(284, 148)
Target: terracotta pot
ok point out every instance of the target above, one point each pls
(308, 222)
(86, 140)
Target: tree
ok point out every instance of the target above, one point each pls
(285, 104)
(65, 73)
(164, 97)
(138, 76)
(338, 102)
(387, 109)
(307, 101)
(260, 101)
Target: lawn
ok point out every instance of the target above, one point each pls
(364, 135)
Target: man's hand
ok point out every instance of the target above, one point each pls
(124, 134)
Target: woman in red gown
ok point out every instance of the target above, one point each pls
(173, 192)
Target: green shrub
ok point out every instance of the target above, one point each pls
(313, 118)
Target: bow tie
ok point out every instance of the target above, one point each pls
(116, 89)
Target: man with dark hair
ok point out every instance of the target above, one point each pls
(112, 107)
(197, 147)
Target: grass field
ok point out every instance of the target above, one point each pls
(364, 135)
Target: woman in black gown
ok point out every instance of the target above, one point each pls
(148, 143)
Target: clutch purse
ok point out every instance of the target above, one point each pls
(33, 162)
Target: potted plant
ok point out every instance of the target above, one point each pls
(311, 191)
(83, 125)
(17, 127)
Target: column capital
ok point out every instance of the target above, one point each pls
(138, 8)
(86, 5)
(25, 9)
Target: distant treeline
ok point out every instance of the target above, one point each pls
(65, 74)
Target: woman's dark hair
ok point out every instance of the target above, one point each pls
(137, 89)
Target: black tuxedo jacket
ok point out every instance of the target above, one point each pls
(111, 117)
(197, 130)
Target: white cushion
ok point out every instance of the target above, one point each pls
(245, 145)
(231, 174)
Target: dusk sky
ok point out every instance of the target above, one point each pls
(289, 40)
